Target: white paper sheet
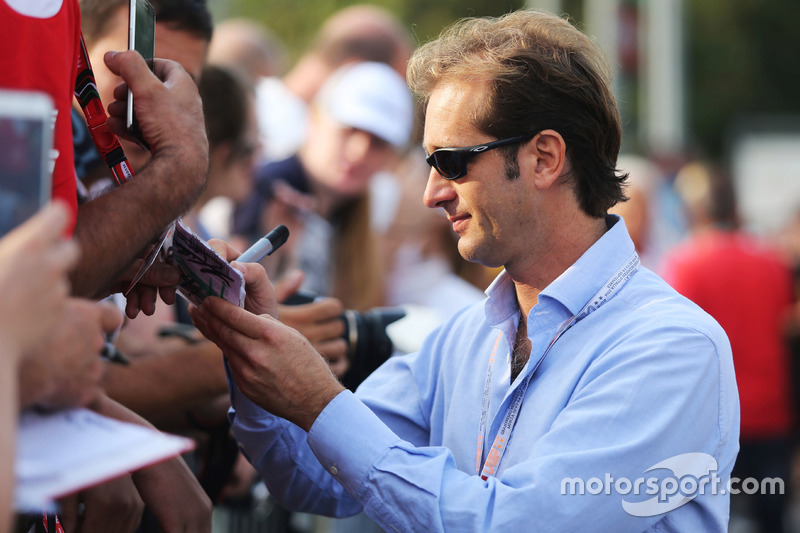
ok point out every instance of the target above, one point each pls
(63, 452)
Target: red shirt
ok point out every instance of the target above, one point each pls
(749, 291)
(39, 40)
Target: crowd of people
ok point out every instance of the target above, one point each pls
(527, 256)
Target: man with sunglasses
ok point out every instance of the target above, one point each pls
(583, 394)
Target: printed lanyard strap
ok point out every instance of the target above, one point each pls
(105, 141)
(503, 436)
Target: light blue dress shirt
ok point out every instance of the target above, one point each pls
(646, 380)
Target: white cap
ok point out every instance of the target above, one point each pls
(372, 97)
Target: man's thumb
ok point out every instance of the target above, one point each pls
(129, 65)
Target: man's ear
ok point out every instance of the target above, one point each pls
(545, 157)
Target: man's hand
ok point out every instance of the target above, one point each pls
(160, 279)
(34, 261)
(112, 506)
(168, 108)
(260, 296)
(273, 365)
(66, 369)
(172, 493)
(321, 323)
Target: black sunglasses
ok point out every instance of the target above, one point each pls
(451, 163)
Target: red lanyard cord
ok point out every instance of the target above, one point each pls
(106, 142)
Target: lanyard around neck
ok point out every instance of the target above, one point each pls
(500, 444)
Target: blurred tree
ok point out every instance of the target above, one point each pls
(742, 60)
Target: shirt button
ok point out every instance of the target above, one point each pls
(333, 470)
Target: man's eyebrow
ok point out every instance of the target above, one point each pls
(433, 148)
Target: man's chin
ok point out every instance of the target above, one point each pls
(475, 253)
(468, 250)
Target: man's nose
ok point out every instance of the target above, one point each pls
(438, 190)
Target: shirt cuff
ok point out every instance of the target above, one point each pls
(348, 438)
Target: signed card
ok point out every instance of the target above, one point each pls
(203, 271)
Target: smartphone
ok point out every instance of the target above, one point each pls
(27, 157)
(141, 37)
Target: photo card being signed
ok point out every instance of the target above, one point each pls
(203, 271)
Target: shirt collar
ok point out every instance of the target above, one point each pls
(577, 284)
(581, 281)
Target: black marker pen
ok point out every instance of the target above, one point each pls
(265, 245)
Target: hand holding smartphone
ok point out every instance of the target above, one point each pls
(141, 37)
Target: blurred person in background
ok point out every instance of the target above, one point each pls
(360, 121)
(646, 211)
(360, 32)
(653, 213)
(248, 46)
(747, 287)
(257, 53)
(233, 143)
(637, 210)
(355, 33)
